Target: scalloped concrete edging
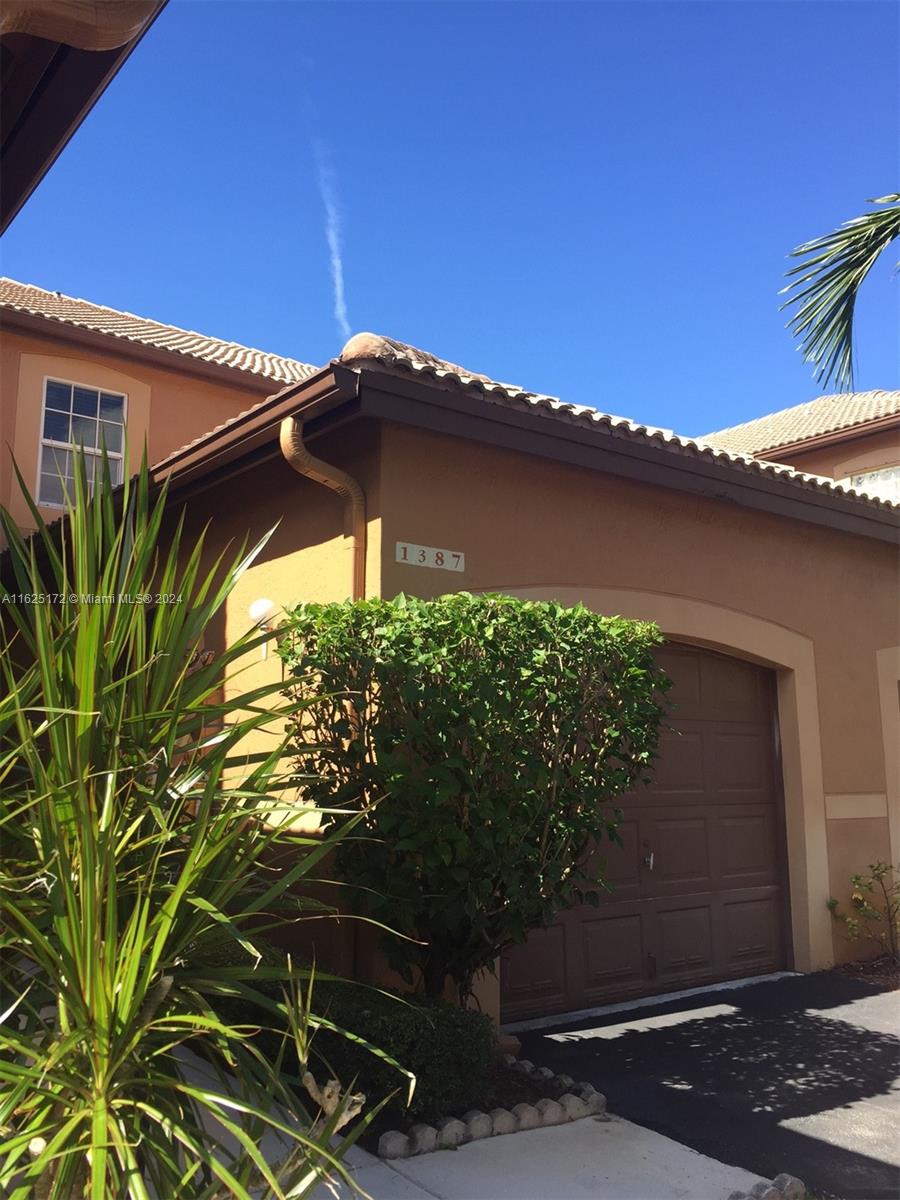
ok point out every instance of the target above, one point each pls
(782, 1187)
(579, 1100)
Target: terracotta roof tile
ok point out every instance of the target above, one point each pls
(827, 414)
(54, 306)
(393, 355)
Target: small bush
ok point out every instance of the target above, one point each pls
(450, 1050)
(874, 909)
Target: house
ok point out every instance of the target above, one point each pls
(852, 438)
(73, 372)
(390, 470)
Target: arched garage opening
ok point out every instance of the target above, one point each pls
(751, 672)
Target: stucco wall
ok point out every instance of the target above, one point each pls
(308, 556)
(168, 408)
(847, 457)
(525, 523)
(821, 607)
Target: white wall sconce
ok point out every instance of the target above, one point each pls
(262, 613)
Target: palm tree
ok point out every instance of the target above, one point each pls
(826, 283)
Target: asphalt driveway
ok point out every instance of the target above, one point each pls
(799, 1074)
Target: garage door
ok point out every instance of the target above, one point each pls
(700, 882)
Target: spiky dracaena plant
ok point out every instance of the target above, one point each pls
(825, 285)
(133, 843)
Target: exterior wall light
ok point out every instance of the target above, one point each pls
(262, 613)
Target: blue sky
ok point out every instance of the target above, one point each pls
(594, 200)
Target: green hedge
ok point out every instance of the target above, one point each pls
(449, 1049)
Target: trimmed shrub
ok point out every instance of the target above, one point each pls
(484, 739)
(450, 1050)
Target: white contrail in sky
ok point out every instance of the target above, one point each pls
(327, 182)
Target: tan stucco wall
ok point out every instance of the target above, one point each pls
(853, 843)
(167, 408)
(847, 457)
(824, 603)
(820, 607)
(308, 556)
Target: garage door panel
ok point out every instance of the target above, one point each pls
(741, 762)
(679, 772)
(745, 843)
(732, 689)
(619, 865)
(534, 976)
(683, 668)
(712, 905)
(614, 954)
(752, 934)
(685, 941)
(680, 849)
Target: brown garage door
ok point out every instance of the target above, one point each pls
(700, 881)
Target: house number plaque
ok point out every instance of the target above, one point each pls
(430, 556)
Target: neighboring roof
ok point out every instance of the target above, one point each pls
(827, 414)
(124, 326)
(372, 348)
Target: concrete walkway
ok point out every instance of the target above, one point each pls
(586, 1160)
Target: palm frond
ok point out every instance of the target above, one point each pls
(825, 286)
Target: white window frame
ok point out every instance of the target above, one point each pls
(71, 446)
(871, 473)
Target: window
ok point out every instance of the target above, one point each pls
(78, 417)
(884, 483)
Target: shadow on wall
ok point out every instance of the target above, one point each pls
(729, 1072)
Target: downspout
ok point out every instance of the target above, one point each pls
(298, 456)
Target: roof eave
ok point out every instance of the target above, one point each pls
(51, 328)
(642, 459)
(847, 433)
(75, 81)
(337, 394)
(254, 434)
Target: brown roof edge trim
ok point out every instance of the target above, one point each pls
(182, 364)
(86, 75)
(846, 433)
(324, 392)
(453, 411)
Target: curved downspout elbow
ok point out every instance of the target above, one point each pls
(298, 456)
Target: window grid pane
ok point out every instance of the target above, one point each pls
(84, 432)
(85, 402)
(59, 395)
(56, 426)
(72, 417)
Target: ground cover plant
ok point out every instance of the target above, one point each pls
(133, 885)
(451, 1051)
(874, 912)
(495, 734)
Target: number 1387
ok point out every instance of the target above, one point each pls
(430, 556)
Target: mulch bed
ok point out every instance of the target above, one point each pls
(503, 1088)
(882, 972)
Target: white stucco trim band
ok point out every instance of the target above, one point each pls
(845, 806)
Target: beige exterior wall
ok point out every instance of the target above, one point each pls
(745, 582)
(309, 554)
(848, 457)
(165, 408)
(821, 608)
